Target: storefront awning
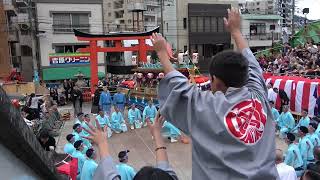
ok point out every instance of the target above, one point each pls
(67, 73)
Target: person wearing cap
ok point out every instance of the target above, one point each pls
(117, 122)
(78, 145)
(275, 112)
(305, 146)
(304, 121)
(79, 118)
(314, 138)
(119, 100)
(104, 121)
(150, 112)
(77, 132)
(293, 156)
(285, 121)
(105, 101)
(69, 148)
(89, 166)
(126, 172)
(134, 117)
(170, 131)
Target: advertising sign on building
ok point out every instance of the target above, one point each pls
(69, 58)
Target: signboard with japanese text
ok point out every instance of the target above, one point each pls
(69, 58)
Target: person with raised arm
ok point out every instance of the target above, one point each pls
(231, 127)
(107, 168)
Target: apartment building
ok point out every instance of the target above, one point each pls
(5, 63)
(261, 7)
(261, 31)
(59, 48)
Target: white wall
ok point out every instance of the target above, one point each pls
(13, 168)
(45, 24)
(245, 27)
(170, 17)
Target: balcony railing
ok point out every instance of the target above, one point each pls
(264, 36)
(152, 2)
(64, 28)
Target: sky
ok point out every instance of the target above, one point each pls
(314, 8)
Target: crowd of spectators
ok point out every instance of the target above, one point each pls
(301, 61)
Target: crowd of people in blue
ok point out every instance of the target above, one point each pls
(303, 138)
(116, 121)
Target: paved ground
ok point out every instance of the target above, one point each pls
(141, 148)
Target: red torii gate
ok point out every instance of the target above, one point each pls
(117, 38)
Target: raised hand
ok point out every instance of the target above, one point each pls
(233, 23)
(97, 135)
(156, 127)
(159, 43)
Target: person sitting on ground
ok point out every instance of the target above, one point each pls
(314, 138)
(170, 131)
(69, 147)
(126, 172)
(275, 112)
(150, 112)
(305, 146)
(293, 156)
(103, 122)
(225, 140)
(47, 142)
(78, 153)
(89, 166)
(117, 122)
(316, 165)
(79, 118)
(134, 117)
(285, 172)
(285, 121)
(77, 132)
(304, 121)
(107, 170)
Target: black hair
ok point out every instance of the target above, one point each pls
(231, 67)
(310, 175)
(151, 173)
(76, 126)
(44, 134)
(271, 102)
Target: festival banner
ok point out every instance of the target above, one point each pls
(69, 58)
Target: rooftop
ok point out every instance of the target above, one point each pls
(260, 17)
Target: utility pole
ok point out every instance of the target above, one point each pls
(162, 23)
(293, 12)
(34, 42)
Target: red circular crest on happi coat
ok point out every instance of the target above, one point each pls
(246, 121)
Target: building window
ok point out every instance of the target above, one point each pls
(214, 24)
(220, 24)
(185, 48)
(200, 24)
(26, 50)
(184, 23)
(68, 48)
(193, 24)
(207, 25)
(109, 14)
(257, 29)
(129, 21)
(109, 4)
(66, 22)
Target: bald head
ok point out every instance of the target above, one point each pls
(279, 156)
(316, 153)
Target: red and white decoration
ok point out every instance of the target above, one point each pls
(302, 92)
